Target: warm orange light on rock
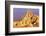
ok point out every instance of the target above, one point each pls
(28, 21)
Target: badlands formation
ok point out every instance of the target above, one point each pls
(29, 20)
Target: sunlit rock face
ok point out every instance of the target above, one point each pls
(29, 20)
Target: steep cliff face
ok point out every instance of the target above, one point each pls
(30, 20)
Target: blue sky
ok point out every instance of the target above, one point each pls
(17, 12)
